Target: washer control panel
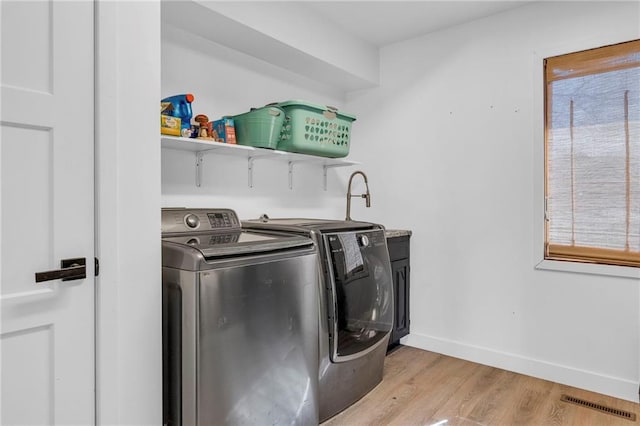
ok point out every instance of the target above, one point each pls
(188, 221)
(222, 220)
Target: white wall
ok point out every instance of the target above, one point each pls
(225, 82)
(128, 294)
(451, 141)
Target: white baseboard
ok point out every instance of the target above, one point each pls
(607, 385)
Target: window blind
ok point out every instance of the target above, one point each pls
(592, 150)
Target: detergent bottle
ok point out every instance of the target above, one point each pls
(178, 106)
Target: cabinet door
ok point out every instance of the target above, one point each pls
(400, 269)
(398, 248)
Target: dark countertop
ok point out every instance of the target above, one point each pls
(391, 233)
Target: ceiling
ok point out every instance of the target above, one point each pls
(385, 22)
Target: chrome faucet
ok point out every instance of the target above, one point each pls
(366, 196)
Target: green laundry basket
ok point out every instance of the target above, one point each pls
(316, 130)
(259, 127)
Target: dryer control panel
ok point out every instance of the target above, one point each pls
(177, 221)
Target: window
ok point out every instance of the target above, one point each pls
(592, 155)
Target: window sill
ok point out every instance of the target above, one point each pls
(589, 268)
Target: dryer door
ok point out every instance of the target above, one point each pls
(361, 292)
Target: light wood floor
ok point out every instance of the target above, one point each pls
(424, 388)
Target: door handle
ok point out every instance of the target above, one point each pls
(70, 269)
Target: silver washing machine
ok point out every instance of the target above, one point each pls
(356, 304)
(240, 322)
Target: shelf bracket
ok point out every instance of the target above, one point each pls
(291, 164)
(199, 167)
(324, 172)
(250, 161)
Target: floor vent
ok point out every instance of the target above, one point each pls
(603, 408)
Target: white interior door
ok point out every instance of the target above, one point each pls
(46, 211)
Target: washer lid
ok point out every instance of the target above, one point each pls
(306, 225)
(238, 243)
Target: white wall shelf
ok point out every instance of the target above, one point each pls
(202, 146)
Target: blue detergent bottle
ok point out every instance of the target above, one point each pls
(180, 107)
